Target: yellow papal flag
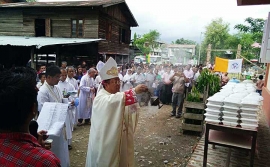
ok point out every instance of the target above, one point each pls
(221, 65)
(228, 65)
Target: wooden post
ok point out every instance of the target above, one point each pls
(32, 58)
(238, 51)
(208, 57)
(47, 27)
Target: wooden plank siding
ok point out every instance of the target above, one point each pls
(11, 23)
(61, 20)
(113, 16)
(21, 22)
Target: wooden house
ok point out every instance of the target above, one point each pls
(266, 88)
(107, 21)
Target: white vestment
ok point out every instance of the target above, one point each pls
(127, 84)
(73, 82)
(121, 81)
(49, 93)
(111, 133)
(85, 97)
(97, 81)
(65, 86)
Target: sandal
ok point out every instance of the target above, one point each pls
(79, 124)
(69, 147)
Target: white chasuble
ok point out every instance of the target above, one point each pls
(49, 93)
(111, 134)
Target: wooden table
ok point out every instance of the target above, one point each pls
(232, 137)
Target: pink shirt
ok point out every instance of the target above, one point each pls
(166, 78)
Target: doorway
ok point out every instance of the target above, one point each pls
(40, 27)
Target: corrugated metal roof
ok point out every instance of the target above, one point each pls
(64, 3)
(42, 41)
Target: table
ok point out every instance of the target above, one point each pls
(232, 137)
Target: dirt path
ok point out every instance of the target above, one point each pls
(157, 140)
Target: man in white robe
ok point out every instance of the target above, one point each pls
(49, 92)
(98, 80)
(74, 82)
(87, 93)
(127, 81)
(113, 121)
(65, 87)
(70, 79)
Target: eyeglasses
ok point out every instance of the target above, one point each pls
(116, 82)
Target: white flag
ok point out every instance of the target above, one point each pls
(235, 66)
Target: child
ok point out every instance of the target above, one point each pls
(42, 78)
(259, 85)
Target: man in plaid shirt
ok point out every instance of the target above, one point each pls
(18, 103)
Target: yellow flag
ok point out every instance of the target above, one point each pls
(221, 65)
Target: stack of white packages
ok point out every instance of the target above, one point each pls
(234, 105)
(214, 106)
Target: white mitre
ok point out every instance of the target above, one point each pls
(109, 70)
(100, 65)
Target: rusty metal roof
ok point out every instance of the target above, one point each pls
(63, 3)
(39, 42)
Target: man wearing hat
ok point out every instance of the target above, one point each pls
(114, 119)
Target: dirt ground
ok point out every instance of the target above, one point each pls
(159, 141)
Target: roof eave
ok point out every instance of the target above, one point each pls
(252, 2)
(135, 21)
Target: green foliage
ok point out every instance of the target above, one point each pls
(194, 95)
(208, 78)
(255, 27)
(147, 42)
(216, 34)
(30, 0)
(183, 41)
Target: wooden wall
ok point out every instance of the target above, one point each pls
(112, 15)
(15, 22)
(12, 23)
(21, 22)
(61, 20)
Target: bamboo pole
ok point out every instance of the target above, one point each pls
(251, 62)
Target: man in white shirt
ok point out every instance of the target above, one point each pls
(196, 76)
(188, 72)
(138, 78)
(49, 92)
(150, 79)
(166, 91)
(42, 78)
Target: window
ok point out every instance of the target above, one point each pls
(122, 35)
(77, 28)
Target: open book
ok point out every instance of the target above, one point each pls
(52, 118)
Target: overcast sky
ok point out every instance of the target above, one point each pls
(187, 18)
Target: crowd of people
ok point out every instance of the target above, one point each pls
(103, 95)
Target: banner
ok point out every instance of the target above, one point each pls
(230, 66)
(148, 58)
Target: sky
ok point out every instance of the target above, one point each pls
(176, 19)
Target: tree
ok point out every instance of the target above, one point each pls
(255, 27)
(148, 41)
(183, 41)
(30, 0)
(216, 34)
